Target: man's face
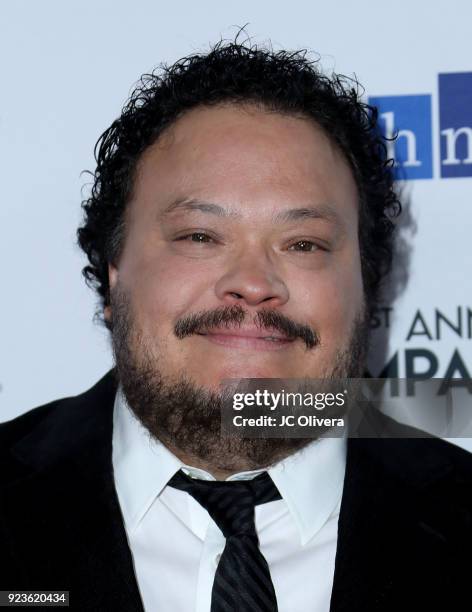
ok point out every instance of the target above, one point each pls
(241, 257)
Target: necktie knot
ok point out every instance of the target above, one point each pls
(229, 503)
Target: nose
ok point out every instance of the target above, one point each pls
(252, 278)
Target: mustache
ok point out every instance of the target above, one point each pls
(229, 316)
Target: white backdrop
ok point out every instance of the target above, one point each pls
(66, 70)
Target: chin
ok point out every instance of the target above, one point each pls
(236, 373)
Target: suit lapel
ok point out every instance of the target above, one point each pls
(363, 573)
(63, 516)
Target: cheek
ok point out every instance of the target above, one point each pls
(163, 291)
(335, 297)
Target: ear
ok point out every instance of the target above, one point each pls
(112, 280)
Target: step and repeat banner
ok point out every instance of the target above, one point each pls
(67, 68)
(424, 328)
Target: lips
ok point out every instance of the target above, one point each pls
(249, 338)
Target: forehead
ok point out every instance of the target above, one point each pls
(245, 158)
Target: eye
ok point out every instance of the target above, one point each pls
(304, 246)
(199, 237)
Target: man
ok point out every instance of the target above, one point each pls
(239, 226)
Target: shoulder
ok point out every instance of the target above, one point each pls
(417, 466)
(20, 426)
(416, 457)
(57, 424)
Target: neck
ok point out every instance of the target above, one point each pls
(217, 472)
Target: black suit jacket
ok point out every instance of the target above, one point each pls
(404, 534)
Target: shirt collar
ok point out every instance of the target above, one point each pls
(310, 481)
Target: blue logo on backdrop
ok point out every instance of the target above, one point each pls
(455, 120)
(409, 117)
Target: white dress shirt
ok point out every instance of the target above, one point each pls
(176, 545)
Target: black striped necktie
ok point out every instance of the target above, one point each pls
(242, 579)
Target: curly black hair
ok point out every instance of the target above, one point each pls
(282, 81)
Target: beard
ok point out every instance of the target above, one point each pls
(186, 417)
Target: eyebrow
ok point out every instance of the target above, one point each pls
(321, 211)
(192, 204)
